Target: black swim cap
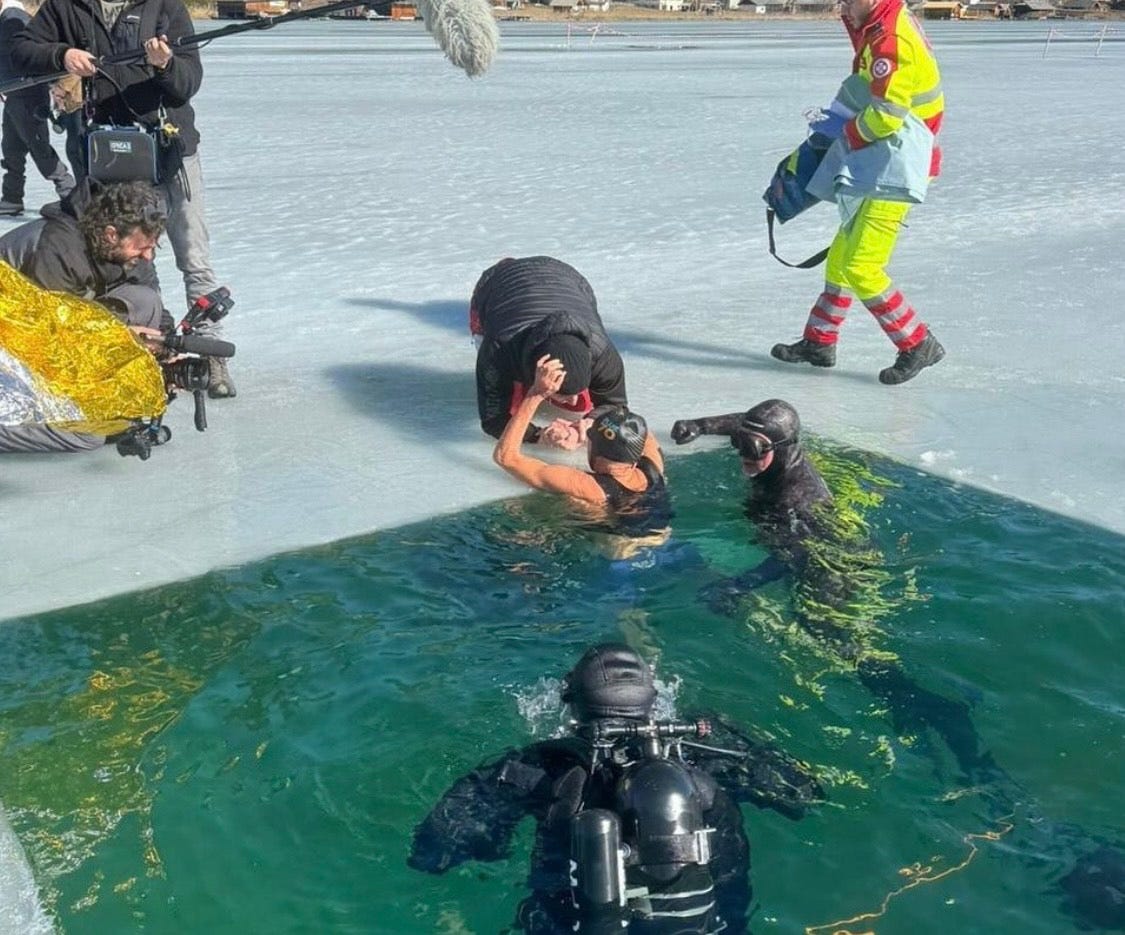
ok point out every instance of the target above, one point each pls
(617, 434)
(574, 354)
(610, 680)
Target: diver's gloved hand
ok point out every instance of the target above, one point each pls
(722, 596)
(685, 430)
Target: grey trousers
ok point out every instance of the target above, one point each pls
(187, 231)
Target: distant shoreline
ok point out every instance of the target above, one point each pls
(627, 12)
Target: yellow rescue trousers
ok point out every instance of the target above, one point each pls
(857, 262)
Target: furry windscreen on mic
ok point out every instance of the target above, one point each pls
(466, 31)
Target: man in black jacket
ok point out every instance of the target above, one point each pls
(156, 92)
(687, 869)
(523, 309)
(25, 130)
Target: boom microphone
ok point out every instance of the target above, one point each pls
(197, 344)
(465, 30)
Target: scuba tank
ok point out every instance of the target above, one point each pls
(643, 864)
(597, 866)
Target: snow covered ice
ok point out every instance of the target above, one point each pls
(358, 184)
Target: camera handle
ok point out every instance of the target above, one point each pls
(200, 410)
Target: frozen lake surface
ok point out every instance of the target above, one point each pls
(358, 184)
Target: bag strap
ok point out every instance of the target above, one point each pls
(815, 260)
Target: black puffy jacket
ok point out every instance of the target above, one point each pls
(520, 303)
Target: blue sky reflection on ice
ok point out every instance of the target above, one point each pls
(357, 184)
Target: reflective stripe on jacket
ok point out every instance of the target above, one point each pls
(894, 56)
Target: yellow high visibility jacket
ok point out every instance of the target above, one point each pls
(894, 56)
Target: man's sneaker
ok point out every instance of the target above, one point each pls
(10, 209)
(806, 352)
(910, 363)
(221, 385)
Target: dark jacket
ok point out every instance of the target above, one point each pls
(521, 303)
(478, 815)
(12, 22)
(53, 254)
(65, 24)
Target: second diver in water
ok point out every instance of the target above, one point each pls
(633, 831)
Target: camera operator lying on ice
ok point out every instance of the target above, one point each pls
(70, 374)
(633, 831)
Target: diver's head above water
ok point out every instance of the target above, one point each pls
(609, 681)
(768, 436)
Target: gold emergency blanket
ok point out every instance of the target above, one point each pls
(70, 364)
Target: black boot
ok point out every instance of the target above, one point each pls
(910, 363)
(806, 352)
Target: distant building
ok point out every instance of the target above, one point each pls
(668, 6)
(812, 7)
(1032, 9)
(941, 9)
(1082, 7)
(252, 9)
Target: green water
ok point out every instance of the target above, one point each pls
(249, 751)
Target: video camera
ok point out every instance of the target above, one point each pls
(191, 373)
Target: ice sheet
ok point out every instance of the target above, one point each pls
(358, 184)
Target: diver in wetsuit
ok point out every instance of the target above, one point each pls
(630, 835)
(786, 503)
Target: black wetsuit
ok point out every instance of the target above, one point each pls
(476, 818)
(783, 503)
(635, 513)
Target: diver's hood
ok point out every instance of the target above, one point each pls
(779, 422)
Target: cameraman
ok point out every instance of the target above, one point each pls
(99, 247)
(555, 780)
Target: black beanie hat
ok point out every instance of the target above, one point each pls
(610, 680)
(574, 354)
(617, 434)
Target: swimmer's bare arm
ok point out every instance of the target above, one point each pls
(557, 478)
(688, 430)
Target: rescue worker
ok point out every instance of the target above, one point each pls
(893, 55)
(523, 309)
(681, 879)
